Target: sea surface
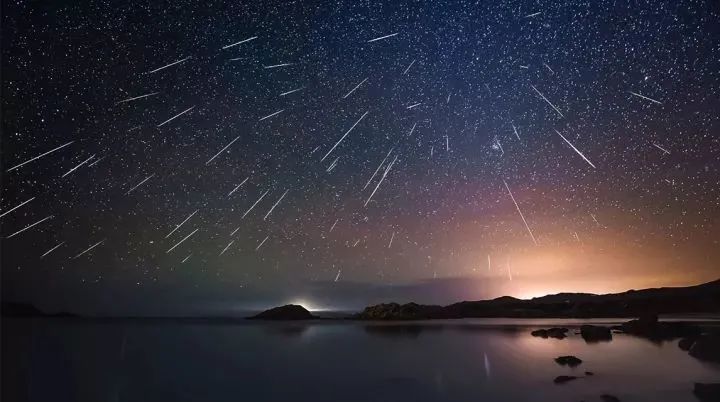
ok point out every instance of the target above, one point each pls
(55, 359)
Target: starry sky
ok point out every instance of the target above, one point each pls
(176, 157)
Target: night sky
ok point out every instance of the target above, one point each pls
(212, 156)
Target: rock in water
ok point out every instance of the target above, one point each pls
(562, 379)
(287, 312)
(686, 343)
(557, 333)
(609, 398)
(571, 361)
(706, 347)
(707, 392)
(539, 332)
(594, 333)
(649, 327)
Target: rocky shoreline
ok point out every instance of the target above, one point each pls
(700, 344)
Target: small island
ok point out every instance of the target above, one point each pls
(286, 312)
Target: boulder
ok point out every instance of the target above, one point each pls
(287, 312)
(594, 333)
(707, 392)
(589, 373)
(540, 333)
(562, 379)
(686, 343)
(649, 327)
(609, 398)
(706, 347)
(557, 333)
(571, 361)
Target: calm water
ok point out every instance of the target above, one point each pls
(481, 360)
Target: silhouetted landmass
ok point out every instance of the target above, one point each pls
(557, 333)
(700, 299)
(703, 298)
(287, 312)
(395, 311)
(11, 309)
(707, 392)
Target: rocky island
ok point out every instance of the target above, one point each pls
(286, 312)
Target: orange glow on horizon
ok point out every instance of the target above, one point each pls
(608, 264)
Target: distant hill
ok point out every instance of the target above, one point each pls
(703, 298)
(286, 312)
(564, 297)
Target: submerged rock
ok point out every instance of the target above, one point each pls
(287, 312)
(557, 333)
(706, 347)
(594, 333)
(571, 361)
(707, 392)
(562, 379)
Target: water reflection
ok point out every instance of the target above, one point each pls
(286, 329)
(414, 329)
(333, 361)
(405, 331)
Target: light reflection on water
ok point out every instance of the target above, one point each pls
(483, 360)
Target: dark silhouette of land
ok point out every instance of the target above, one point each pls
(699, 299)
(286, 312)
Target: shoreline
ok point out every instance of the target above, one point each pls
(513, 321)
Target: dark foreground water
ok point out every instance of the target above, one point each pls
(469, 360)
